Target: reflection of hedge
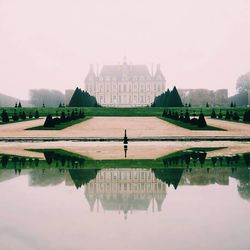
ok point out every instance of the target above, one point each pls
(188, 158)
(169, 175)
(65, 160)
(82, 176)
(184, 158)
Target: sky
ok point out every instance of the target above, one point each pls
(51, 43)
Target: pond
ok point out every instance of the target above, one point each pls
(192, 198)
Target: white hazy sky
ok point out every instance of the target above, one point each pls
(50, 43)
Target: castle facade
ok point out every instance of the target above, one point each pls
(125, 85)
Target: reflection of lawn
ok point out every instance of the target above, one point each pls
(59, 158)
(183, 152)
(190, 126)
(60, 152)
(61, 125)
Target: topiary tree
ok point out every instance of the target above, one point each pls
(213, 114)
(181, 118)
(15, 116)
(36, 114)
(227, 116)
(236, 116)
(201, 121)
(5, 116)
(49, 122)
(246, 116)
(220, 116)
(19, 105)
(63, 117)
(174, 99)
(81, 114)
(23, 115)
(30, 115)
(187, 117)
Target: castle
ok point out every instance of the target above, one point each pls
(125, 85)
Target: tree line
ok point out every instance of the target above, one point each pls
(16, 116)
(231, 115)
(168, 99)
(82, 99)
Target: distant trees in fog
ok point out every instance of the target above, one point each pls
(47, 97)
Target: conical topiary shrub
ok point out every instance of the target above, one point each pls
(201, 121)
(49, 122)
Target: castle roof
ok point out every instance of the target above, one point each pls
(125, 70)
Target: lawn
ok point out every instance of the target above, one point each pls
(136, 111)
(61, 125)
(190, 126)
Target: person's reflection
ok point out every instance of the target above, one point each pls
(125, 150)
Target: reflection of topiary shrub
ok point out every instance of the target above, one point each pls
(246, 158)
(49, 121)
(5, 160)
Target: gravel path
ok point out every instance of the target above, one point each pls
(137, 127)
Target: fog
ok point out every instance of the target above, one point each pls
(50, 44)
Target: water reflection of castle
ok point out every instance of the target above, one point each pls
(125, 190)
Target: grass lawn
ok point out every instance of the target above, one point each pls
(221, 119)
(61, 125)
(28, 119)
(136, 111)
(190, 126)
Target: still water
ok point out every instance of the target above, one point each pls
(188, 202)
